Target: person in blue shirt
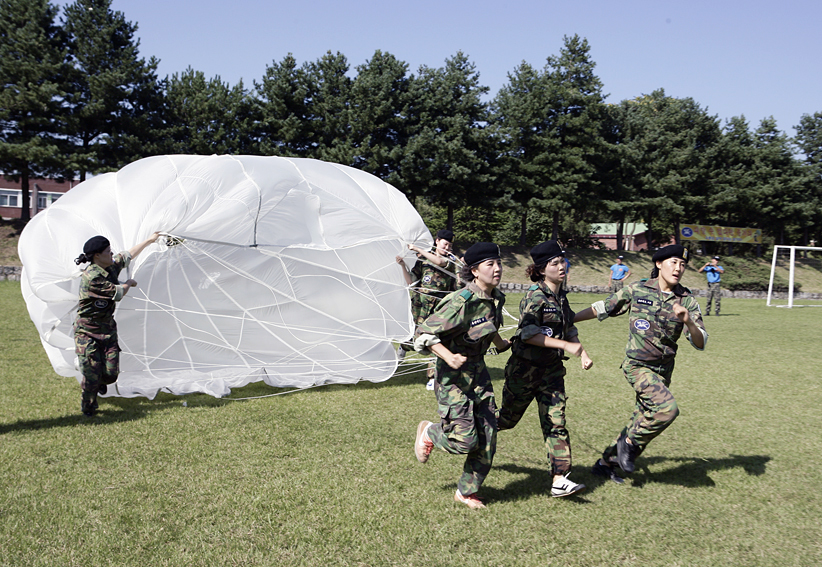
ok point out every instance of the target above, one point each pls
(714, 273)
(619, 273)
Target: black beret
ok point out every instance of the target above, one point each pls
(545, 252)
(716, 257)
(480, 252)
(620, 257)
(445, 234)
(672, 251)
(95, 244)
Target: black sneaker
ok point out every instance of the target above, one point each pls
(626, 454)
(102, 389)
(606, 471)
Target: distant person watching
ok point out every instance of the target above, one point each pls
(619, 273)
(714, 272)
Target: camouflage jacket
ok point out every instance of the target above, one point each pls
(465, 322)
(99, 292)
(542, 311)
(435, 280)
(653, 327)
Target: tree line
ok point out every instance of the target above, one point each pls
(546, 156)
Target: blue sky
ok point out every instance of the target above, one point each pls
(755, 58)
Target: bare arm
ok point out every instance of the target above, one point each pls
(433, 258)
(137, 248)
(405, 273)
(585, 314)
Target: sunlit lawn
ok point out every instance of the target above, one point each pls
(328, 476)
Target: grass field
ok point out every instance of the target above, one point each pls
(328, 476)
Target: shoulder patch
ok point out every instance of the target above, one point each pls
(466, 294)
(533, 287)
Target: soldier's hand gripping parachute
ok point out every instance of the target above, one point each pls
(274, 269)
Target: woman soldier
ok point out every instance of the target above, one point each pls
(95, 331)
(535, 369)
(459, 332)
(436, 273)
(659, 309)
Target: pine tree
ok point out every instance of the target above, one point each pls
(329, 109)
(446, 159)
(284, 127)
(113, 91)
(32, 74)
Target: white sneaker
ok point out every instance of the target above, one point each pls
(400, 353)
(565, 487)
(430, 384)
(471, 501)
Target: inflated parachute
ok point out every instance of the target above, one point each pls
(274, 269)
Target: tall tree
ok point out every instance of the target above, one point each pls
(783, 189)
(112, 88)
(207, 116)
(447, 156)
(32, 74)
(285, 127)
(809, 140)
(518, 124)
(329, 109)
(671, 145)
(379, 110)
(576, 112)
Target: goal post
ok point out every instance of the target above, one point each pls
(791, 272)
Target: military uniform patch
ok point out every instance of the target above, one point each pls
(547, 331)
(642, 325)
(643, 301)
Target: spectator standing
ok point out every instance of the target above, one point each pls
(619, 273)
(714, 272)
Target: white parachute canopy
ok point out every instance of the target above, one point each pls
(281, 270)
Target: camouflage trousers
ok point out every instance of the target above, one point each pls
(525, 381)
(100, 364)
(468, 426)
(617, 285)
(655, 408)
(714, 294)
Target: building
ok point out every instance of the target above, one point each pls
(42, 193)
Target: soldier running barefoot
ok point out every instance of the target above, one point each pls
(459, 332)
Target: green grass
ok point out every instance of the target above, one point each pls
(328, 477)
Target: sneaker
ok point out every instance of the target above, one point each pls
(423, 445)
(606, 471)
(430, 384)
(565, 487)
(102, 389)
(471, 500)
(400, 353)
(626, 454)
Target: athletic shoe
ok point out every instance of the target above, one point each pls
(400, 353)
(423, 445)
(471, 500)
(626, 454)
(565, 487)
(102, 389)
(430, 384)
(606, 471)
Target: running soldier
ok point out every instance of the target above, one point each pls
(659, 308)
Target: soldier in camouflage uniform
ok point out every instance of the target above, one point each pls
(459, 332)
(659, 308)
(435, 272)
(95, 330)
(535, 370)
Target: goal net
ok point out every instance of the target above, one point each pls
(785, 262)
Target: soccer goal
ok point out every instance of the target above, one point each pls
(788, 254)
